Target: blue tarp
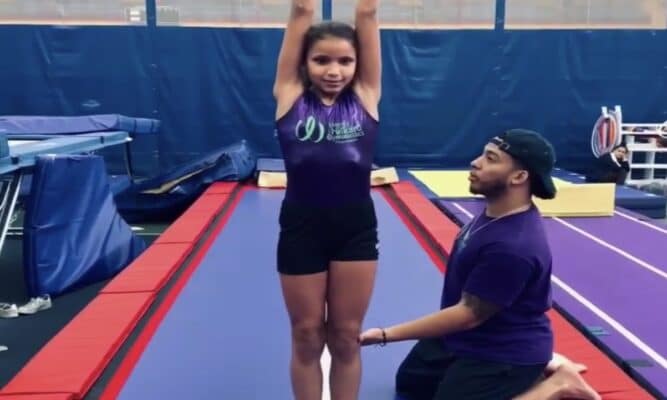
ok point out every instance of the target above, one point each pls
(20, 125)
(166, 196)
(73, 233)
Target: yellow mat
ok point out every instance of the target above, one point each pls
(572, 200)
(379, 177)
(580, 200)
(454, 183)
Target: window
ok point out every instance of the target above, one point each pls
(586, 14)
(426, 14)
(247, 13)
(72, 12)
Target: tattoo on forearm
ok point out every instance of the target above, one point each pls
(481, 309)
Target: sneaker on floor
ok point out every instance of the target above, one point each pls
(8, 310)
(36, 304)
(3, 348)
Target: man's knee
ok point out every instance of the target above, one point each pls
(405, 377)
(477, 380)
(420, 373)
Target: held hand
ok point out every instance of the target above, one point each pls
(372, 336)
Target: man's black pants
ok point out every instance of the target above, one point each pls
(429, 373)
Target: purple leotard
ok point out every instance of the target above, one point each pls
(328, 150)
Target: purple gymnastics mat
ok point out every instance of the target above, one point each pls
(610, 275)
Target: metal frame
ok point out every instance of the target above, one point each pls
(21, 160)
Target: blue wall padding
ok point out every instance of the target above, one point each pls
(444, 92)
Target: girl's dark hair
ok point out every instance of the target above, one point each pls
(323, 30)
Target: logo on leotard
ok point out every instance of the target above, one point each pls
(338, 132)
(308, 130)
(344, 132)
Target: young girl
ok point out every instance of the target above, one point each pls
(327, 89)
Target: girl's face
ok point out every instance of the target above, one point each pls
(331, 65)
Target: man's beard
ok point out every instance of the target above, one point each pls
(489, 190)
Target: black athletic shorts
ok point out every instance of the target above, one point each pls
(310, 238)
(430, 373)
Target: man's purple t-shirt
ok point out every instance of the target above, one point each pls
(506, 261)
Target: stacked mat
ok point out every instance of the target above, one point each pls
(648, 204)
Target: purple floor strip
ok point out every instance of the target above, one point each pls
(630, 236)
(227, 334)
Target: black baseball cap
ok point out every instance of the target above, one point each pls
(535, 153)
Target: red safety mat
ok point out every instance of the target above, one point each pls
(441, 229)
(54, 396)
(151, 270)
(73, 359)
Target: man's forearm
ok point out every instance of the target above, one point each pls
(449, 320)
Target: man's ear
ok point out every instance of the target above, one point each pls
(520, 176)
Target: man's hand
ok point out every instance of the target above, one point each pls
(371, 336)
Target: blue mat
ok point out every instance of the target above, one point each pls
(37, 125)
(73, 233)
(164, 197)
(227, 335)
